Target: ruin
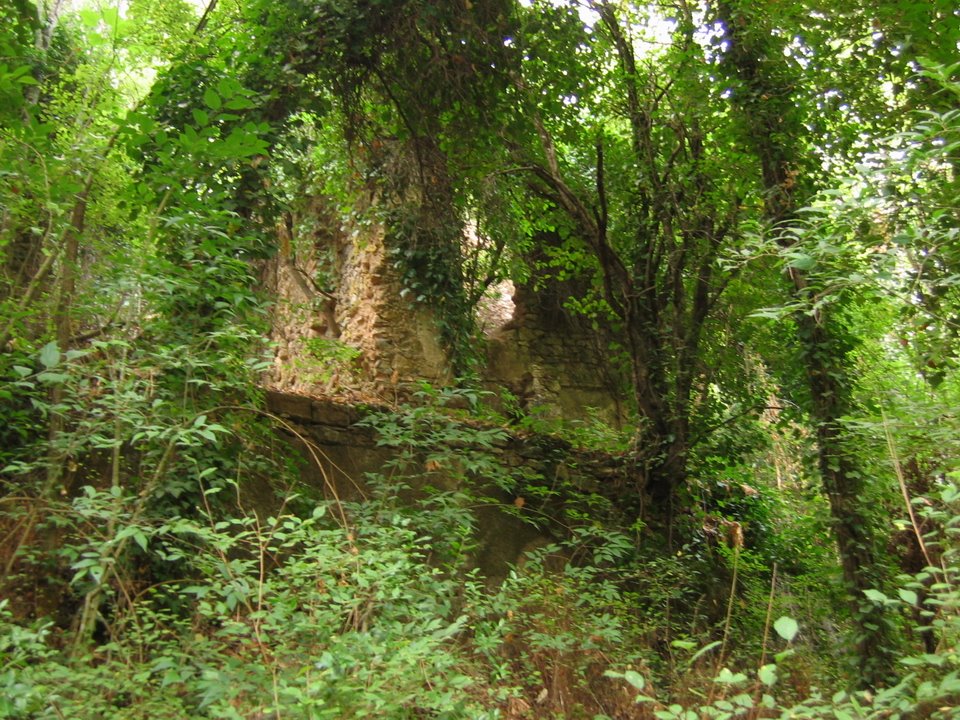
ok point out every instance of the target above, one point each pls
(356, 331)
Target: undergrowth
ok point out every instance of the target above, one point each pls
(196, 593)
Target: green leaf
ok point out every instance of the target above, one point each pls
(767, 674)
(52, 378)
(228, 87)
(704, 650)
(211, 99)
(635, 679)
(140, 539)
(786, 627)
(50, 355)
(802, 262)
(875, 596)
(950, 685)
(200, 117)
(239, 104)
(728, 677)
(908, 596)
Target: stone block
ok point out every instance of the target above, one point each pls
(326, 412)
(291, 406)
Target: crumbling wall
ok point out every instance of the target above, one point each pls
(301, 280)
(341, 453)
(397, 338)
(342, 323)
(552, 361)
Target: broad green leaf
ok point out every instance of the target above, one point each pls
(950, 685)
(802, 262)
(908, 596)
(728, 677)
(786, 627)
(635, 679)
(211, 99)
(52, 378)
(239, 104)
(140, 539)
(50, 355)
(228, 87)
(876, 596)
(767, 674)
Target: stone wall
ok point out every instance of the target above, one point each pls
(344, 325)
(341, 454)
(554, 362)
(305, 304)
(397, 338)
(353, 331)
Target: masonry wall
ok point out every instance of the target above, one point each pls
(341, 322)
(553, 362)
(344, 325)
(340, 454)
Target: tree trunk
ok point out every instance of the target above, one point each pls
(773, 121)
(843, 482)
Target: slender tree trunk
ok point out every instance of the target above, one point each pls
(853, 527)
(772, 119)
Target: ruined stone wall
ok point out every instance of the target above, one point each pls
(299, 280)
(344, 325)
(341, 321)
(397, 338)
(340, 453)
(552, 361)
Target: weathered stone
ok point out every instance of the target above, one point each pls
(364, 334)
(341, 454)
(297, 407)
(333, 413)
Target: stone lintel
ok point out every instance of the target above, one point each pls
(295, 407)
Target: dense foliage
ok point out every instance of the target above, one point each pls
(756, 203)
